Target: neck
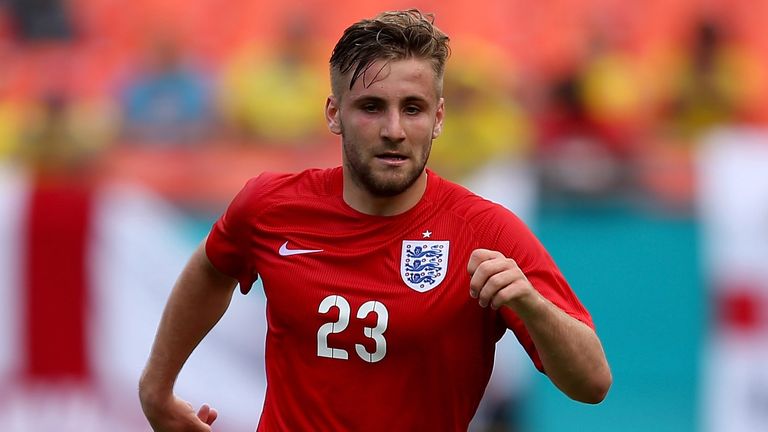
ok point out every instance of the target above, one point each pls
(363, 201)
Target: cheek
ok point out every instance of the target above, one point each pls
(360, 125)
(422, 128)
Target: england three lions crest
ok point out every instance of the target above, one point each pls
(423, 263)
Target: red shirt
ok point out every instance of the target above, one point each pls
(370, 322)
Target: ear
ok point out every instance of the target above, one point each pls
(438, 128)
(332, 115)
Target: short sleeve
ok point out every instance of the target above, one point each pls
(519, 243)
(228, 242)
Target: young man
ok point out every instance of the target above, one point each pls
(387, 287)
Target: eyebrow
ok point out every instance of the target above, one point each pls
(379, 99)
(416, 99)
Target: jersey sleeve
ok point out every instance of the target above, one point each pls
(516, 241)
(228, 242)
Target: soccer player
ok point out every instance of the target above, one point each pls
(387, 286)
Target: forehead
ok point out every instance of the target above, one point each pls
(396, 79)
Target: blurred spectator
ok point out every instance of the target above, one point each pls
(711, 82)
(62, 135)
(588, 128)
(168, 100)
(613, 93)
(485, 123)
(272, 97)
(41, 20)
(574, 157)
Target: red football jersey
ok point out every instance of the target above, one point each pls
(370, 323)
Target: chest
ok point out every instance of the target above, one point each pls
(372, 292)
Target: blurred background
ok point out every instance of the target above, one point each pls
(631, 136)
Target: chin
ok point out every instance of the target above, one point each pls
(390, 185)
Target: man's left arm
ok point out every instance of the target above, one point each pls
(570, 351)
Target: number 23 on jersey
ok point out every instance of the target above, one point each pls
(375, 333)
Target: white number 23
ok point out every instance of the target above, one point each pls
(375, 333)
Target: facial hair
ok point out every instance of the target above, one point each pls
(376, 184)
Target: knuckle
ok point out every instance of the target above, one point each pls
(497, 280)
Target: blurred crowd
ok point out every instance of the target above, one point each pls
(617, 121)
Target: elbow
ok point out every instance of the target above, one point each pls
(146, 394)
(595, 395)
(596, 390)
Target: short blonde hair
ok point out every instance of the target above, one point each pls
(393, 35)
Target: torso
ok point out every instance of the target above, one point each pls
(374, 329)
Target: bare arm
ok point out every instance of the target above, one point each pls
(199, 298)
(570, 351)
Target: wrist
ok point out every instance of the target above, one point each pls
(153, 394)
(528, 304)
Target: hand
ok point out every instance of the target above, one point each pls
(497, 280)
(178, 415)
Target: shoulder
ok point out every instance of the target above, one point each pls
(458, 199)
(489, 222)
(269, 188)
(273, 184)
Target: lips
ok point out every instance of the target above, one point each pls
(392, 157)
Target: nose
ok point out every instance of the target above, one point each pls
(392, 128)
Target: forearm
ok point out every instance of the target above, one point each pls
(197, 302)
(570, 351)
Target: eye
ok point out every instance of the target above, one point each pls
(412, 109)
(370, 108)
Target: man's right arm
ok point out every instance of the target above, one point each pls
(199, 298)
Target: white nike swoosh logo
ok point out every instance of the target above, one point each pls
(284, 251)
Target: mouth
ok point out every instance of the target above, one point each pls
(392, 158)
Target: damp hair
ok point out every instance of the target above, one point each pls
(394, 35)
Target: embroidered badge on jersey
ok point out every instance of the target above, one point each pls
(424, 263)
